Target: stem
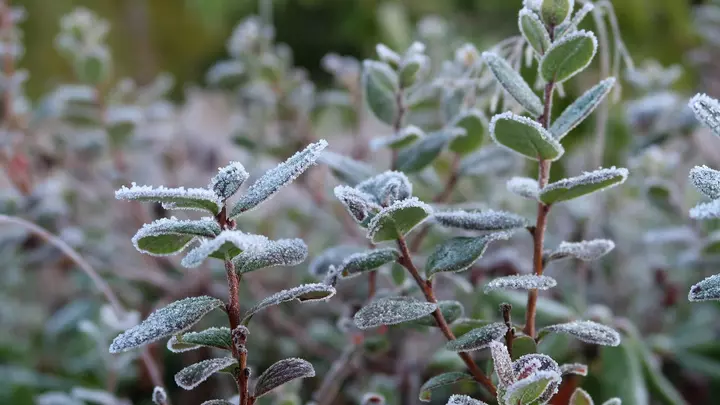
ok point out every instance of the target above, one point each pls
(427, 289)
(510, 335)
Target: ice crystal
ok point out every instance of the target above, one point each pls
(502, 362)
(228, 180)
(391, 311)
(463, 400)
(159, 396)
(587, 331)
(302, 293)
(708, 289)
(706, 180)
(707, 111)
(525, 391)
(358, 203)
(521, 282)
(488, 220)
(283, 252)
(581, 108)
(173, 198)
(524, 136)
(708, 210)
(227, 243)
(586, 183)
(191, 376)
(282, 372)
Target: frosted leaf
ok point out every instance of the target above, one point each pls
(588, 182)
(477, 339)
(227, 244)
(568, 56)
(524, 187)
(422, 153)
(347, 170)
(282, 372)
(502, 363)
(706, 180)
(585, 250)
(708, 210)
(212, 337)
(372, 398)
(571, 26)
(533, 5)
(392, 311)
(387, 187)
(397, 220)
(613, 401)
(556, 12)
(283, 252)
(191, 376)
(586, 331)
(174, 318)
(458, 254)
(228, 180)
(387, 55)
(534, 31)
(407, 136)
(491, 159)
(333, 256)
(217, 402)
(414, 68)
(521, 282)
(581, 108)
(708, 289)
(441, 380)
(302, 293)
(513, 83)
(474, 123)
(159, 396)
(580, 397)
(173, 198)
(707, 111)
(359, 263)
(167, 236)
(281, 175)
(357, 203)
(463, 400)
(574, 369)
(540, 387)
(525, 137)
(451, 311)
(381, 84)
(488, 220)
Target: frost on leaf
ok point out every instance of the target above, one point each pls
(581, 108)
(227, 244)
(357, 203)
(473, 122)
(539, 386)
(159, 396)
(282, 372)
(381, 84)
(347, 170)
(580, 397)
(706, 290)
(706, 180)
(708, 210)
(359, 263)
(441, 380)
(397, 220)
(574, 369)
(586, 250)
(568, 56)
(302, 293)
(502, 362)
(191, 376)
(173, 198)
(463, 400)
(524, 187)
(525, 136)
(477, 339)
(387, 187)
(174, 318)
(586, 331)
(521, 282)
(228, 180)
(422, 153)
(281, 175)
(217, 402)
(707, 111)
(589, 182)
(458, 254)
(392, 311)
(451, 311)
(513, 83)
(406, 137)
(211, 337)
(534, 31)
(283, 252)
(333, 256)
(491, 159)
(168, 236)
(488, 220)
(613, 401)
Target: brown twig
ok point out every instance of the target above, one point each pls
(505, 308)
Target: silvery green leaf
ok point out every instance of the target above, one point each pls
(458, 254)
(451, 311)
(707, 111)
(397, 220)
(412, 69)
(281, 175)
(613, 401)
(333, 256)
(581, 108)
(473, 122)
(283, 252)
(555, 12)
(212, 337)
(392, 311)
(217, 402)
(463, 400)
(534, 31)
(228, 180)
(568, 56)
(363, 262)
(227, 244)
(502, 363)
(586, 183)
(513, 83)
(586, 331)
(477, 339)
(537, 388)
(491, 159)
(387, 187)
(422, 153)
(357, 203)
(282, 372)
(191, 376)
(167, 236)
(571, 26)
(302, 293)
(174, 318)
(585, 250)
(581, 397)
(521, 282)
(706, 290)
(525, 136)
(381, 85)
(488, 220)
(574, 369)
(451, 102)
(441, 380)
(706, 180)
(524, 187)
(121, 121)
(708, 210)
(387, 55)
(173, 198)
(406, 137)
(159, 396)
(347, 170)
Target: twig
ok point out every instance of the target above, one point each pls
(505, 308)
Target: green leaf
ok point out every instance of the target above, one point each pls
(406, 137)
(706, 290)
(458, 254)
(392, 311)
(586, 331)
(622, 375)
(706, 181)
(568, 189)
(581, 397)
(397, 220)
(225, 245)
(513, 83)
(465, 325)
(228, 180)
(347, 170)
(525, 282)
(525, 136)
(94, 66)
(283, 252)
(302, 293)
(386, 188)
(451, 310)
(441, 381)
(523, 345)
(451, 102)
(282, 372)
(534, 31)
(541, 384)
(568, 56)
(473, 123)
(168, 236)
(191, 376)
(211, 337)
(487, 220)
(422, 153)
(478, 339)
(413, 69)
(581, 108)
(555, 12)
(173, 198)
(381, 86)
(363, 262)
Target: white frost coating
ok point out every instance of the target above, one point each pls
(360, 262)
(407, 135)
(581, 108)
(585, 250)
(708, 289)
(580, 396)
(191, 376)
(375, 185)
(174, 318)
(413, 202)
(513, 83)
(213, 337)
(524, 187)
(173, 198)
(521, 282)
(571, 26)
(386, 54)
(478, 338)
(281, 175)
(357, 203)
(708, 210)
(488, 220)
(502, 363)
(242, 241)
(303, 293)
(392, 311)
(159, 396)
(587, 331)
(282, 372)
(518, 387)
(217, 402)
(206, 227)
(229, 179)
(574, 368)
(283, 252)
(587, 179)
(707, 111)
(570, 37)
(464, 400)
(530, 14)
(706, 180)
(545, 135)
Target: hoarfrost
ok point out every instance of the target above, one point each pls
(706, 180)
(173, 198)
(228, 180)
(478, 338)
(585, 250)
(524, 187)
(283, 252)
(282, 372)
(193, 375)
(391, 311)
(707, 111)
(303, 293)
(488, 220)
(463, 400)
(521, 282)
(241, 241)
(587, 331)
